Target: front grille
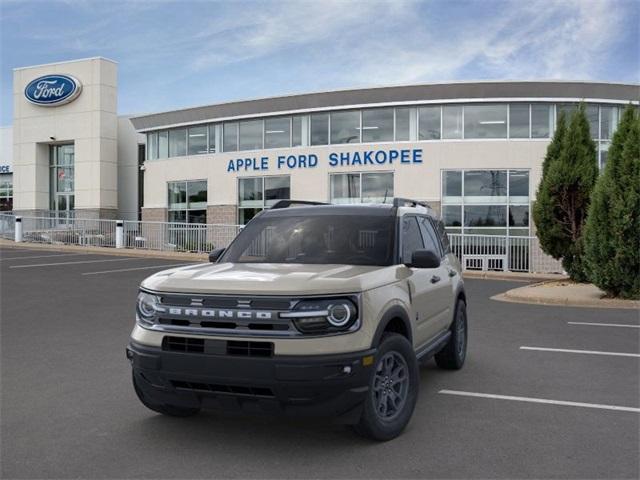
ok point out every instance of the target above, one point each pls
(257, 303)
(217, 347)
(224, 389)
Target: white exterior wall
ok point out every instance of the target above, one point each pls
(90, 122)
(417, 181)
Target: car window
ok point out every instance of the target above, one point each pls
(429, 236)
(444, 238)
(411, 238)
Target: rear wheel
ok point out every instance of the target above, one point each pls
(165, 409)
(393, 390)
(453, 355)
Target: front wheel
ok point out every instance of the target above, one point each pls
(393, 390)
(453, 355)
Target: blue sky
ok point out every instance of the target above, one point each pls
(179, 54)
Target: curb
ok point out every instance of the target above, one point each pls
(123, 252)
(514, 276)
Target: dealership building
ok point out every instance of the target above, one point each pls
(473, 150)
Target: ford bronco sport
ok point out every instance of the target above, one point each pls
(313, 309)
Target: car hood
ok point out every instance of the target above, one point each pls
(271, 278)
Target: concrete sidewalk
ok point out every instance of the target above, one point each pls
(567, 293)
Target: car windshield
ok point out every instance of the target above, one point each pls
(319, 239)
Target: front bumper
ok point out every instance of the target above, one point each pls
(314, 385)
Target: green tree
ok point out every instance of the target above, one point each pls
(612, 232)
(563, 196)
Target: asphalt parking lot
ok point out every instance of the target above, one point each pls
(68, 409)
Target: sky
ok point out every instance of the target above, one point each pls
(176, 54)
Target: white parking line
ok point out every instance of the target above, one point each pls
(128, 259)
(42, 256)
(542, 400)
(588, 352)
(139, 268)
(622, 325)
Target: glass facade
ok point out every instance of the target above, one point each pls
(487, 202)
(382, 124)
(373, 187)
(257, 193)
(187, 201)
(62, 179)
(6, 192)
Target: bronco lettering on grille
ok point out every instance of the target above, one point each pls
(213, 313)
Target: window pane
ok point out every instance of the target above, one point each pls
(485, 121)
(608, 122)
(197, 194)
(251, 135)
(518, 186)
(178, 142)
(197, 140)
(377, 125)
(345, 127)
(178, 216)
(485, 186)
(519, 216)
(568, 109)
(246, 214)
(411, 238)
(251, 192)
(377, 187)
(429, 123)
(519, 120)
(541, 120)
(296, 131)
(592, 117)
(212, 138)
(452, 215)
(403, 124)
(163, 144)
(485, 216)
(320, 129)
(152, 146)
(230, 137)
(276, 188)
(452, 121)
(177, 195)
(197, 216)
(451, 185)
(345, 188)
(604, 152)
(277, 132)
(429, 236)
(64, 179)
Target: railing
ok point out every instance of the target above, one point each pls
(69, 231)
(501, 253)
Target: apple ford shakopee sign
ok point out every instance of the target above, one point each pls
(53, 90)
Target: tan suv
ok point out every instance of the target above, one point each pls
(313, 309)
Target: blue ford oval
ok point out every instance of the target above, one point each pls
(52, 90)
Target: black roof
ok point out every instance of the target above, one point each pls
(378, 209)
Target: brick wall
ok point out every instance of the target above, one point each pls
(154, 214)
(222, 214)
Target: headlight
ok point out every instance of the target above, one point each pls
(324, 315)
(146, 307)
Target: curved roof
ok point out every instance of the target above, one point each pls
(392, 95)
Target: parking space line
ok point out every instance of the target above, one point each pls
(139, 268)
(128, 259)
(42, 256)
(541, 400)
(621, 325)
(588, 352)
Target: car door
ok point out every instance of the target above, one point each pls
(441, 306)
(422, 287)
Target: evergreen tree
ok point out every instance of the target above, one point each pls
(564, 194)
(612, 233)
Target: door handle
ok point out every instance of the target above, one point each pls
(435, 279)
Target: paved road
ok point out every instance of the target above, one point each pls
(68, 409)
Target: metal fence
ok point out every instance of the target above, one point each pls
(7, 226)
(501, 253)
(67, 231)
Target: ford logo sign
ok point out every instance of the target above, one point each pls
(53, 90)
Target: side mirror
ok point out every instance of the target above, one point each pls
(424, 259)
(215, 254)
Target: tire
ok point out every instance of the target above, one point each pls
(453, 355)
(385, 415)
(165, 409)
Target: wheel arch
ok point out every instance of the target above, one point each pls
(395, 320)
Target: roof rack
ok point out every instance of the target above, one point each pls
(295, 203)
(407, 202)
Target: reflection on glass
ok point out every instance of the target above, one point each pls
(451, 185)
(377, 125)
(246, 214)
(177, 195)
(541, 120)
(345, 127)
(251, 135)
(277, 132)
(519, 186)
(296, 131)
(345, 188)
(608, 122)
(485, 216)
(403, 124)
(485, 185)
(178, 142)
(163, 144)
(197, 194)
(592, 118)
(152, 146)
(429, 123)
(452, 215)
(197, 138)
(212, 139)
(320, 129)
(485, 121)
(250, 192)
(230, 137)
(519, 120)
(519, 216)
(276, 188)
(377, 187)
(452, 121)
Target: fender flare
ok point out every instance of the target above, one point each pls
(395, 311)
